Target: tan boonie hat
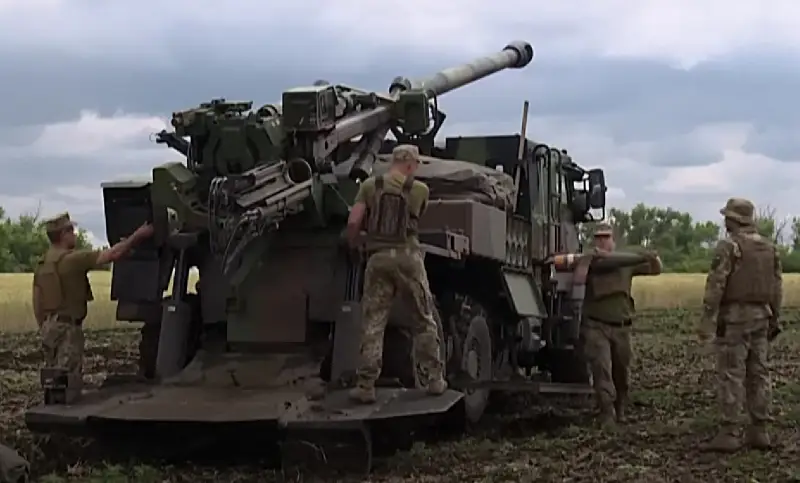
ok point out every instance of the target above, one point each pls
(404, 153)
(603, 229)
(739, 210)
(58, 223)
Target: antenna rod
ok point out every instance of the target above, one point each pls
(521, 151)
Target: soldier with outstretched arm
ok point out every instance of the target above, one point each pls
(608, 313)
(742, 302)
(61, 292)
(389, 207)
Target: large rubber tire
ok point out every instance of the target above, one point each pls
(477, 362)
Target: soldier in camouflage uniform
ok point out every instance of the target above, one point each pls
(61, 291)
(388, 207)
(742, 302)
(608, 314)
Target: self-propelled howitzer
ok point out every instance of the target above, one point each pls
(277, 310)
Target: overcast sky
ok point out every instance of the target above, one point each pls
(684, 103)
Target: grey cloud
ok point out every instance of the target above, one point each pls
(779, 142)
(633, 100)
(680, 151)
(26, 173)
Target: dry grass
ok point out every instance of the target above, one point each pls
(16, 312)
(666, 291)
(685, 290)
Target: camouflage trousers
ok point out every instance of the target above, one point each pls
(607, 349)
(390, 274)
(742, 371)
(62, 344)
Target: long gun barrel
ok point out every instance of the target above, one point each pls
(411, 103)
(515, 55)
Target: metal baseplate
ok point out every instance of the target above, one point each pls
(335, 435)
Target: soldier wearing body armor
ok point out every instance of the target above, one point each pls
(61, 292)
(608, 314)
(741, 305)
(388, 207)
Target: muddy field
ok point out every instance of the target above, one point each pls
(673, 411)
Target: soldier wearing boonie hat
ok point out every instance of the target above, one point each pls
(61, 292)
(741, 305)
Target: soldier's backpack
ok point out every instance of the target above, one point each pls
(390, 220)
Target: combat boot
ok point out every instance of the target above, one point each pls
(437, 387)
(363, 394)
(620, 408)
(757, 437)
(726, 441)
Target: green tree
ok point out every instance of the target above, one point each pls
(686, 245)
(23, 240)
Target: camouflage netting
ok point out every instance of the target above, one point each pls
(454, 180)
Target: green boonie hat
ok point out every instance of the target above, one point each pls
(405, 152)
(603, 229)
(58, 223)
(740, 210)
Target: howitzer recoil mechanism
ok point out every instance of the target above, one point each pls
(263, 196)
(247, 169)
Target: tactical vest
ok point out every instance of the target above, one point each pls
(390, 220)
(752, 279)
(601, 284)
(47, 279)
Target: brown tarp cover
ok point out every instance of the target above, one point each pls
(454, 180)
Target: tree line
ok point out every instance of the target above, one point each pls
(684, 244)
(23, 241)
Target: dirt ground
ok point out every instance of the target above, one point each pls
(673, 410)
